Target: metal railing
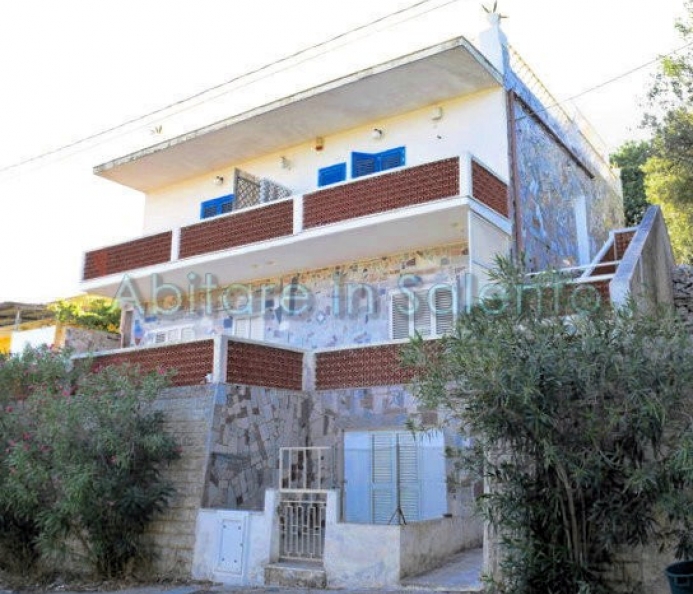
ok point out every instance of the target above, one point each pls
(306, 469)
(302, 518)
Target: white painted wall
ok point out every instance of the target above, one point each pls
(475, 123)
(33, 338)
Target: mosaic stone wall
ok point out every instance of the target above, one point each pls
(348, 304)
(549, 182)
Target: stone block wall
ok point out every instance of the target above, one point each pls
(188, 413)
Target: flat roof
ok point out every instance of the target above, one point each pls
(426, 77)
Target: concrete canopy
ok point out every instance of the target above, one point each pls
(426, 77)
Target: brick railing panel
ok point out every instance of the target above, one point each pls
(489, 190)
(267, 366)
(242, 228)
(622, 241)
(130, 255)
(360, 367)
(408, 187)
(192, 360)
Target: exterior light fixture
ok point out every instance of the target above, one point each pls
(377, 134)
(319, 143)
(437, 113)
(284, 163)
(218, 180)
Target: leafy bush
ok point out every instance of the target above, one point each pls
(94, 314)
(82, 460)
(582, 429)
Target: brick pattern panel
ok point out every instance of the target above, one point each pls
(487, 188)
(259, 365)
(128, 256)
(259, 224)
(192, 360)
(622, 242)
(609, 256)
(362, 367)
(415, 185)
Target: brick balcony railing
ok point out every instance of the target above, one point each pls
(244, 227)
(138, 253)
(221, 359)
(408, 187)
(380, 193)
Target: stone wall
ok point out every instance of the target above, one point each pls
(250, 425)
(683, 293)
(550, 181)
(188, 417)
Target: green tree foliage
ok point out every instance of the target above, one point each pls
(630, 158)
(94, 314)
(81, 459)
(582, 429)
(669, 171)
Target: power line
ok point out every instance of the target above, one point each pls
(610, 81)
(232, 80)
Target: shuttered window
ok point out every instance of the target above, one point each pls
(382, 467)
(411, 312)
(216, 206)
(332, 174)
(367, 163)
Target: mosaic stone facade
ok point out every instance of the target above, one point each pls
(347, 304)
(550, 181)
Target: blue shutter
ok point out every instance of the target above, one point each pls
(216, 206)
(363, 164)
(390, 159)
(332, 174)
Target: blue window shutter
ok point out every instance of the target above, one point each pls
(216, 206)
(363, 164)
(332, 174)
(390, 159)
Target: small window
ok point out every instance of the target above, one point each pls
(411, 312)
(367, 163)
(216, 206)
(332, 174)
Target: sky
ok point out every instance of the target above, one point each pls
(74, 68)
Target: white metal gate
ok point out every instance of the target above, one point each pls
(305, 475)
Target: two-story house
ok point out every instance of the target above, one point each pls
(287, 253)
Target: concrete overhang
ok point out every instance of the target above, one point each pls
(426, 77)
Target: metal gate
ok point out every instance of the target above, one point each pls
(305, 475)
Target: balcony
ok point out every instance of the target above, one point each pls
(447, 201)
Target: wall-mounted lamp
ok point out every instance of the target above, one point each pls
(376, 134)
(219, 180)
(284, 163)
(319, 143)
(437, 113)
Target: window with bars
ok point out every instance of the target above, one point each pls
(216, 206)
(428, 312)
(367, 163)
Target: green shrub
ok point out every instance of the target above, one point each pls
(581, 427)
(82, 461)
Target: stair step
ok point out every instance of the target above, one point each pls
(296, 575)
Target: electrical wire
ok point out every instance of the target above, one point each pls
(240, 77)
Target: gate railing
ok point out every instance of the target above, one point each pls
(305, 475)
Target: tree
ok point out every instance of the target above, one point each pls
(581, 428)
(630, 158)
(669, 171)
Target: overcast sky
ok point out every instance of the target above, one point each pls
(75, 67)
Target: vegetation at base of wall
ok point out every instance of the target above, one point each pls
(81, 454)
(581, 428)
(93, 314)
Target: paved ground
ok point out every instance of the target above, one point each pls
(460, 575)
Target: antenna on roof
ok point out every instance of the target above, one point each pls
(494, 11)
